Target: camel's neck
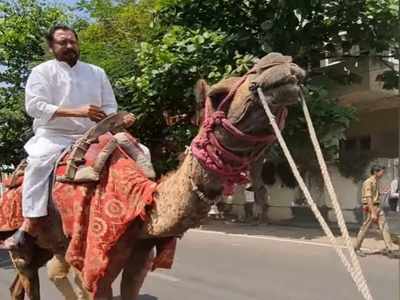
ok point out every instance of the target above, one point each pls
(189, 171)
(177, 207)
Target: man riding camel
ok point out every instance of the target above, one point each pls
(66, 97)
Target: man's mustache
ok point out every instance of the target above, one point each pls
(70, 51)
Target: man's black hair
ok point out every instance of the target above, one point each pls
(50, 34)
(376, 168)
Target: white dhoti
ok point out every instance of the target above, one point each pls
(35, 189)
(43, 153)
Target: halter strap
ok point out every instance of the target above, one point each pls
(213, 156)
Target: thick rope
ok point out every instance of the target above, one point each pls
(356, 273)
(334, 199)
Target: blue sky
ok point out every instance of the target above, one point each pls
(68, 1)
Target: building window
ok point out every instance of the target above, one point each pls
(356, 144)
(365, 143)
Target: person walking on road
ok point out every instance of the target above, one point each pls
(372, 211)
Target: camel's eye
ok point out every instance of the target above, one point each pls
(219, 91)
(217, 97)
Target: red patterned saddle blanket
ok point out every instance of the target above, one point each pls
(96, 215)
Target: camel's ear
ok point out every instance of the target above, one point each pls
(200, 92)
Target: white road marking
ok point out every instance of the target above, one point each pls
(164, 276)
(260, 237)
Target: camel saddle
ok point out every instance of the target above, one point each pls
(79, 164)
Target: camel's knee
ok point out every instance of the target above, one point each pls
(57, 268)
(22, 262)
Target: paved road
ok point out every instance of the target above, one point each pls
(219, 266)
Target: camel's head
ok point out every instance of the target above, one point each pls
(279, 80)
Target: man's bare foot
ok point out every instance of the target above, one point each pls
(24, 238)
(19, 241)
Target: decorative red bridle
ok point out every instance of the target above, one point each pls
(231, 168)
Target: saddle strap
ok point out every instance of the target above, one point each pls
(112, 123)
(19, 171)
(91, 173)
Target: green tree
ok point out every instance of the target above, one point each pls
(307, 30)
(23, 24)
(154, 52)
(154, 68)
(213, 39)
(111, 41)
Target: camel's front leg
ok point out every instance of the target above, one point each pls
(260, 190)
(57, 270)
(135, 271)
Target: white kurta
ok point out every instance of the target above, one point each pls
(51, 85)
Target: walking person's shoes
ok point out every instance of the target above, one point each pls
(360, 252)
(391, 253)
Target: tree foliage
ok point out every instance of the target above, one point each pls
(23, 24)
(154, 51)
(307, 30)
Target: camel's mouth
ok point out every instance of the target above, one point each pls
(285, 94)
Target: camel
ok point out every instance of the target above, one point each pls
(235, 132)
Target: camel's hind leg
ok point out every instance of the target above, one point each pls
(28, 273)
(28, 284)
(136, 270)
(17, 289)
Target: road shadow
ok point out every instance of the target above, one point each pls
(289, 230)
(141, 297)
(279, 230)
(381, 252)
(5, 261)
